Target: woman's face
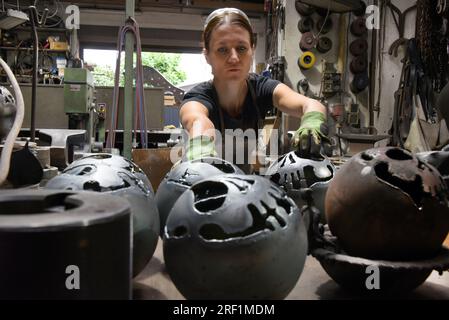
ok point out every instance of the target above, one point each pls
(230, 53)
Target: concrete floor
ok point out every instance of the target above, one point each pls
(154, 283)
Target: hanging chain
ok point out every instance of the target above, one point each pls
(432, 42)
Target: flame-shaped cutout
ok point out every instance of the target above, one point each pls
(81, 170)
(414, 188)
(398, 154)
(224, 167)
(242, 184)
(209, 195)
(100, 156)
(260, 221)
(367, 157)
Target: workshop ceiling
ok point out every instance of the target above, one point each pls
(166, 25)
(145, 5)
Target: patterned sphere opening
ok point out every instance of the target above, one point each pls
(385, 203)
(7, 111)
(293, 173)
(118, 176)
(183, 176)
(235, 237)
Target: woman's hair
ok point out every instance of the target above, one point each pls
(226, 15)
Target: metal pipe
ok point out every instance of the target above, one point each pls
(33, 20)
(129, 99)
(372, 75)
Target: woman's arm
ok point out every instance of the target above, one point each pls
(293, 103)
(313, 130)
(195, 119)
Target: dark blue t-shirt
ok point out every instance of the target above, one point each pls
(263, 89)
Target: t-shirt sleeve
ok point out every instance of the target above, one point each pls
(200, 94)
(264, 92)
(203, 93)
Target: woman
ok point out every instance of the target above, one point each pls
(235, 99)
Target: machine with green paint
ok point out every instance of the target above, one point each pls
(78, 91)
(79, 102)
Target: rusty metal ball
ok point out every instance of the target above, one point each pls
(293, 173)
(235, 237)
(116, 175)
(183, 176)
(386, 204)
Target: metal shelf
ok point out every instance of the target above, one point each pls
(43, 29)
(30, 49)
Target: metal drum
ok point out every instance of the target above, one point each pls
(64, 245)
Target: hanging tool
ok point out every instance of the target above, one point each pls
(432, 42)
(277, 68)
(442, 7)
(399, 20)
(413, 82)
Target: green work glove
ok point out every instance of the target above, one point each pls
(310, 135)
(200, 147)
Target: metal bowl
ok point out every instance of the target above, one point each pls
(394, 277)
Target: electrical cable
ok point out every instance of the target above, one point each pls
(325, 20)
(5, 158)
(56, 5)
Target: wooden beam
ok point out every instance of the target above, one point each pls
(145, 5)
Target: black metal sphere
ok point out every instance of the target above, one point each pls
(183, 176)
(7, 111)
(235, 237)
(293, 173)
(118, 176)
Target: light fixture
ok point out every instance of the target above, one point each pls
(12, 18)
(339, 6)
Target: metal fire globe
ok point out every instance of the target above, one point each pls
(293, 173)
(118, 176)
(7, 111)
(183, 176)
(235, 237)
(386, 204)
